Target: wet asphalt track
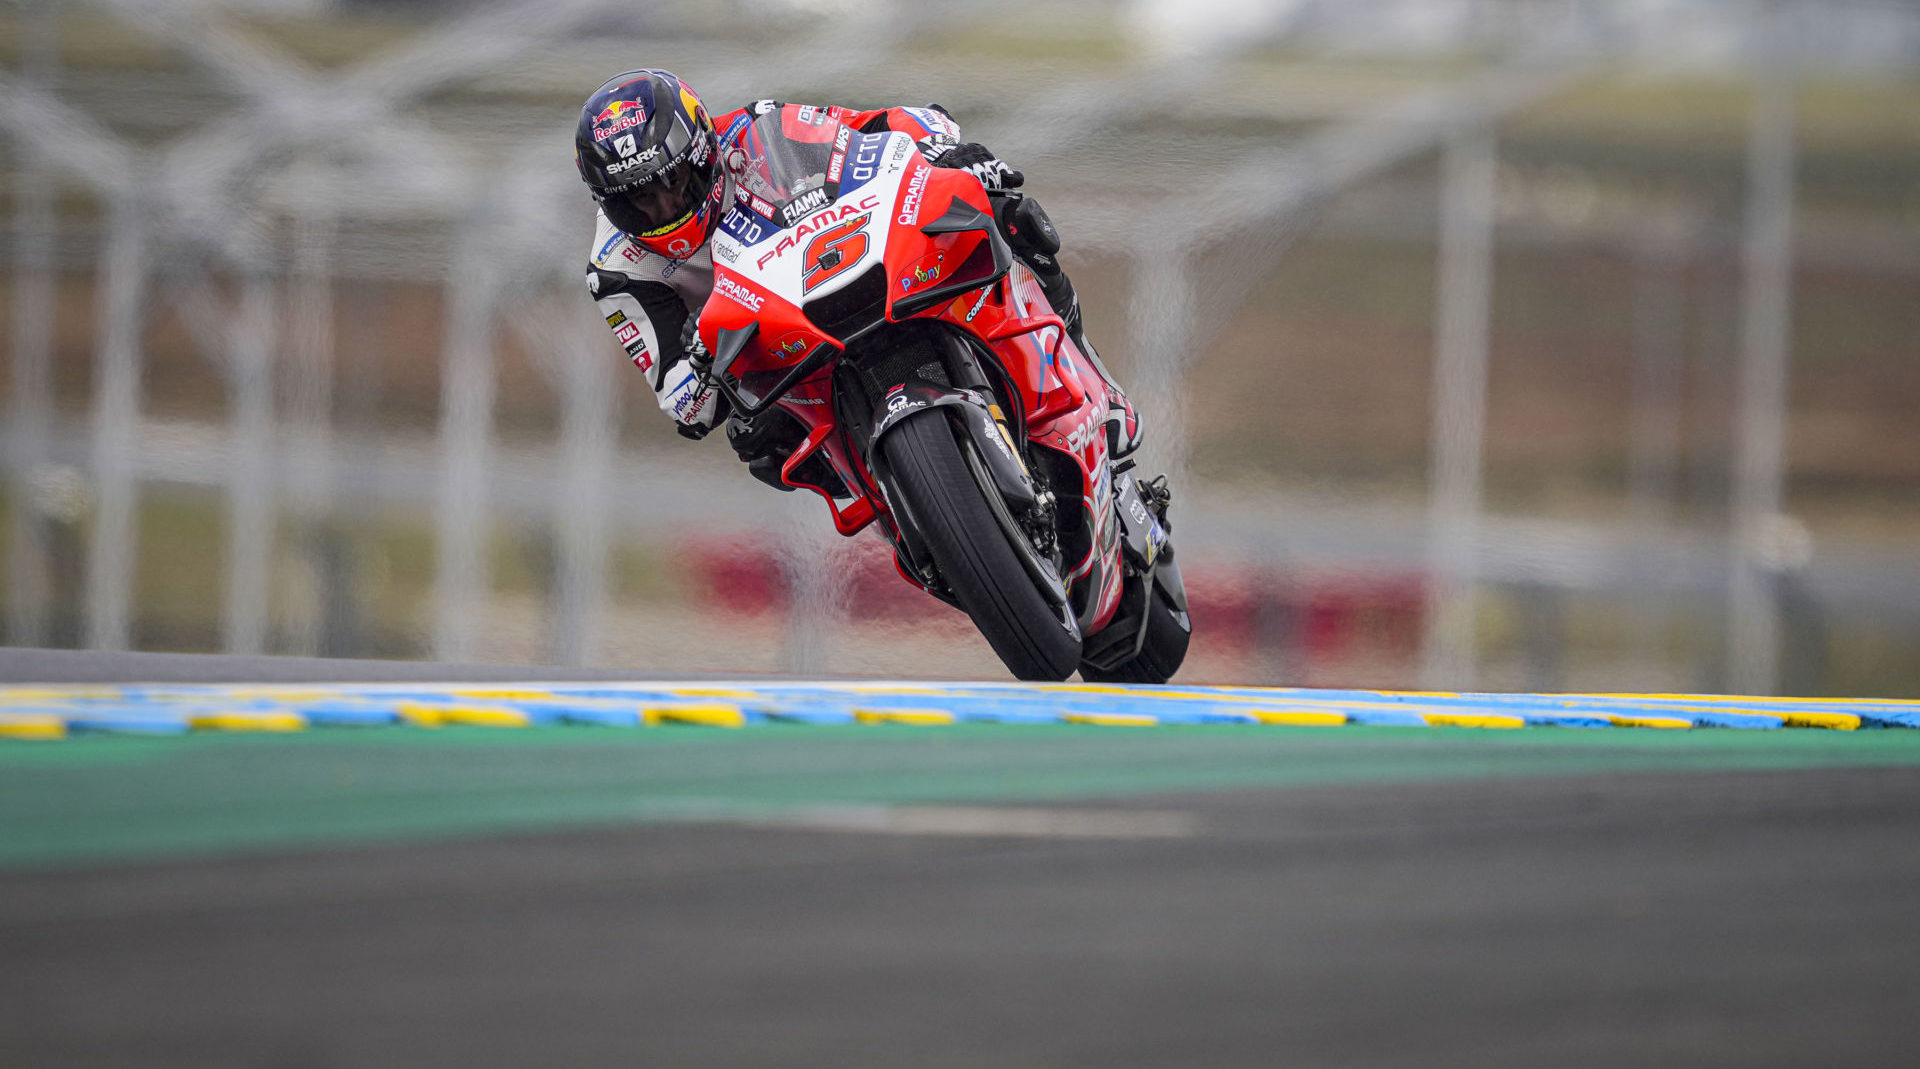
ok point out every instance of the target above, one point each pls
(1707, 918)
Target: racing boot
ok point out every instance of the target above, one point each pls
(765, 442)
(1032, 235)
(1123, 423)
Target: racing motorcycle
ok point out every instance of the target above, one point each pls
(875, 301)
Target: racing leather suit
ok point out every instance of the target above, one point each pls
(651, 300)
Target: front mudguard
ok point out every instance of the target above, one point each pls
(972, 410)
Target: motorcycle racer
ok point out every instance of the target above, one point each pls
(663, 172)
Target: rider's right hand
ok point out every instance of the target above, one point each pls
(695, 349)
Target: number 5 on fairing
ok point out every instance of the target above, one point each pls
(834, 250)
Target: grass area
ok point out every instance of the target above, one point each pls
(101, 799)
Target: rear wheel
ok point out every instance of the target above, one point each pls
(948, 508)
(1161, 652)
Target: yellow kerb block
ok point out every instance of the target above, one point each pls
(1665, 723)
(1806, 718)
(247, 722)
(914, 717)
(1114, 720)
(1472, 720)
(36, 695)
(712, 716)
(32, 727)
(1301, 718)
(430, 715)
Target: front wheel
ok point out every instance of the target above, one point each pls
(947, 507)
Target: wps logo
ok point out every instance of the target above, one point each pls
(834, 250)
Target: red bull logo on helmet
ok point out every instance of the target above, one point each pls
(617, 116)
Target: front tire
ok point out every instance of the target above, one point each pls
(927, 473)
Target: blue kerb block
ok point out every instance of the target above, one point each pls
(1184, 712)
(1385, 718)
(349, 715)
(1892, 719)
(1561, 720)
(624, 694)
(596, 716)
(811, 714)
(1750, 721)
(127, 724)
(1004, 713)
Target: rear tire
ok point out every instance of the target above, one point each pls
(1161, 653)
(927, 473)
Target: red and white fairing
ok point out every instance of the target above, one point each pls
(776, 258)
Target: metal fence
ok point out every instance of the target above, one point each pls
(247, 172)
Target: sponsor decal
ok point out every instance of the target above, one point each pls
(732, 290)
(1078, 438)
(736, 160)
(617, 318)
(680, 248)
(725, 252)
(812, 116)
(826, 217)
(623, 166)
(985, 292)
(616, 239)
(839, 154)
(642, 359)
(811, 200)
(790, 346)
(900, 150)
(617, 116)
(866, 161)
(897, 400)
(631, 254)
(627, 333)
(702, 147)
(934, 122)
(916, 192)
(743, 227)
(1000, 426)
(924, 273)
(835, 249)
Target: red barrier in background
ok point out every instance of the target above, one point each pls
(1302, 620)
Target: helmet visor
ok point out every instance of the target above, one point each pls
(663, 201)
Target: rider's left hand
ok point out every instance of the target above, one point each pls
(991, 170)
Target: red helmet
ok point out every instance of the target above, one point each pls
(648, 151)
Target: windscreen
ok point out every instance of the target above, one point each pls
(794, 160)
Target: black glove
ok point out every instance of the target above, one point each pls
(974, 158)
(693, 348)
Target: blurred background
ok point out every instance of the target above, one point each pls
(1545, 344)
